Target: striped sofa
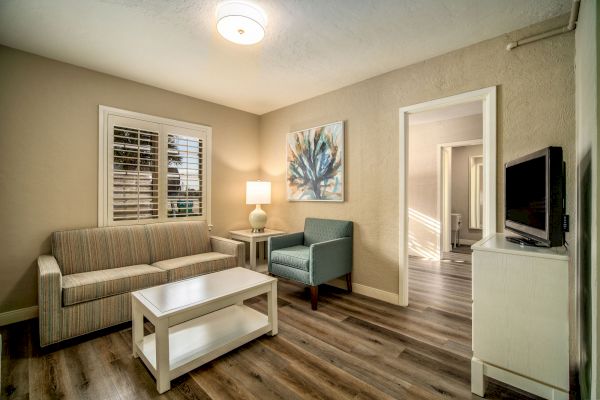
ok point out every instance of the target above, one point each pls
(85, 284)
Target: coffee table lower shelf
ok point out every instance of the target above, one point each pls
(200, 340)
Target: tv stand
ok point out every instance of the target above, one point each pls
(520, 317)
(522, 241)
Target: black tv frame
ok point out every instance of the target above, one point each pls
(555, 205)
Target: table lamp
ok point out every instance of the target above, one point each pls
(258, 192)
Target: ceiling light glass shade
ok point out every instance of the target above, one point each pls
(241, 22)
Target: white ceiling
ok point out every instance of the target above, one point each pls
(311, 46)
(446, 113)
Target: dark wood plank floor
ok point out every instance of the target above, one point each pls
(462, 249)
(352, 347)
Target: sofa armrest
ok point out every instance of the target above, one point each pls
(283, 241)
(330, 259)
(231, 247)
(49, 299)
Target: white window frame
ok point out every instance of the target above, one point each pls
(104, 165)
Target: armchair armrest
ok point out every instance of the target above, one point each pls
(49, 299)
(330, 259)
(283, 241)
(229, 246)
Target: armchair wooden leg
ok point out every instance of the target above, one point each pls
(314, 296)
(349, 281)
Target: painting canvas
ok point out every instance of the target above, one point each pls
(315, 164)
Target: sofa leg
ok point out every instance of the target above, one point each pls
(349, 281)
(314, 296)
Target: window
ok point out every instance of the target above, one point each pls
(152, 169)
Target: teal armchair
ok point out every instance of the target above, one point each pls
(319, 254)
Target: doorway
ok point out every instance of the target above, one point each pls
(460, 199)
(487, 99)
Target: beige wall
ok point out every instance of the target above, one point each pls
(461, 161)
(424, 222)
(49, 156)
(535, 110)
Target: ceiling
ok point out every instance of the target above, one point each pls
(446, 113)
(311, 46)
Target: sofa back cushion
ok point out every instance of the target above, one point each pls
(93, 249)
(177, 239)
(320, 230)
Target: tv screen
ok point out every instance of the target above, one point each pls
(526, 193)
(534, 197)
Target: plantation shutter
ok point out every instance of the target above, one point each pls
(135, 170)
(185, 179)
(154, 172)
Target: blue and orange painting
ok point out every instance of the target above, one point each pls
(315, 164)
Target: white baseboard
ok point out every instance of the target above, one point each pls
(368, 291)
(468, 242)
(22, 314)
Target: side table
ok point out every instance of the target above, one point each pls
(246, 235)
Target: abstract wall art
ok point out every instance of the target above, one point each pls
(315, 163)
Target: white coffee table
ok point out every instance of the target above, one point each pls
(199, 319)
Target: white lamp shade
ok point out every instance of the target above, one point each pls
(258, 192)
(241, 22)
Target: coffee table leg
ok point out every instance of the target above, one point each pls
(137, 326)
(272, 300)
(163, 381)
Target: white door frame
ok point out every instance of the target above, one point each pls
(488, 97)
(444, 177)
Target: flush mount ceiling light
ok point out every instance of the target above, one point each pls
(241, 22)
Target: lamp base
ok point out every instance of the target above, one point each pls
(258, 219)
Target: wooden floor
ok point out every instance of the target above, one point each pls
(463, 249)
(352, 347)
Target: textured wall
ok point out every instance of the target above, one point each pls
(461, 161)
(423, 202)
(535, 110)
(49, 157)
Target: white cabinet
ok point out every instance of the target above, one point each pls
(520, 317)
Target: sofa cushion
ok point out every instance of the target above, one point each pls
(177, 239)
(86, 286)
(296, 257)
(85, 250)
(198, 264)
(318, 230)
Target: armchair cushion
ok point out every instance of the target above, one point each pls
(288, 272)
(86, 286)
(295, 256)
(318, 230)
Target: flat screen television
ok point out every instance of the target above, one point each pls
(534, 197)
